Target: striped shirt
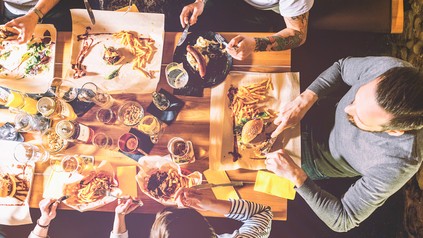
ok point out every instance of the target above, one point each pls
(257, 219)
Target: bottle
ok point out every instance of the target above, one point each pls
(160, 101)
(74, 131)
(55, 108)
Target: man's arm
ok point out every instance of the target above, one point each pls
(26, 24)
(292, 36)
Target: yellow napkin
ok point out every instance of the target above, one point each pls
(126, 179)
(133, 9)
(217, 177)
(272, 184)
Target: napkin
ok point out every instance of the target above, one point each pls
(272, 184)
(126, 178)
(217, 177)
(169, 115)
(13, 212)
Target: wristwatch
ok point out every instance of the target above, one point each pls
(38, 13)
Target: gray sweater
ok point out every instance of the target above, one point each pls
(385, 163)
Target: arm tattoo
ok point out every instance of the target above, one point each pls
(277, 43)
(262, 43)
(302, 18)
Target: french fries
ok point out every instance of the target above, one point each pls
(245, 103)
(87, 190)
(142, 47)
(164, 184)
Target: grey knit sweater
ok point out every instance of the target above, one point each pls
(385, 163)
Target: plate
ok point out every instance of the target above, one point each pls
(217, 69)
(15, 75)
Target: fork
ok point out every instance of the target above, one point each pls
(129, 7)
(108, 193)
(222, 41)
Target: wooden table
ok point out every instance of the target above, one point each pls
(192, 124)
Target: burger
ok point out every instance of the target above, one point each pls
(255, 136)
(111, 55)
(7, 186)
(8, 33)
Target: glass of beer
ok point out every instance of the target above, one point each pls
(151, 126)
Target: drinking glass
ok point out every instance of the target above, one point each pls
(90, 92)
(4, 95)
(106, 116)
(151, 126)
(25, 122)
(26, 152)
(181, 151)
(103, 141)
(129, 143)
(8, 132)
(176, 75)
(64, 89)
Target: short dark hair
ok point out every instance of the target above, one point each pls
(400, 92)
(174, 222)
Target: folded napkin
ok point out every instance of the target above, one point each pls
(126, 178)
(218, 177)
(272, 184)
(13, 211)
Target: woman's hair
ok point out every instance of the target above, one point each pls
(181, 222)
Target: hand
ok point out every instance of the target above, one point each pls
(191, 12)
(48, 210)
(26, 24)
(283, 165)
(240, 47)
(192, 198)
(293, 112)
(125, 206)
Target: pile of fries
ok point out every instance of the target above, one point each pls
(163, 184)
(246, 101)
(142, 47)
(92, 188)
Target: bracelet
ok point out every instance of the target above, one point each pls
(44, 227)
(38, 13)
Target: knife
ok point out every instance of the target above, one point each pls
(90, 11)
(212, 185)
(184, 35)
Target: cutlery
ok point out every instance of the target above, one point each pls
(59, 200)
(90, 11)
(222, 41)
(129, 7)
(212, 185)
(184, 35)
(108, 193)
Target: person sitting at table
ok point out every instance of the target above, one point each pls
(124, 207)
(25, 14)
(188, 222)
(374, 133)
(294, 12)
(48, 213)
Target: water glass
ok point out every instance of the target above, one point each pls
(26, 152)
(176, 75)
(90, 92)
(106, 116)
(103, 141)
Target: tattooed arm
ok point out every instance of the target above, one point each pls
(292, 36)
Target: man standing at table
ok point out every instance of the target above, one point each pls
(25, 14)
(294, 12)
(376, 135)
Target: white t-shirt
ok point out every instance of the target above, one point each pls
(287, 8)
(19, 7)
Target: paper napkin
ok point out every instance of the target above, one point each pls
(217, 177)
(272, 184)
